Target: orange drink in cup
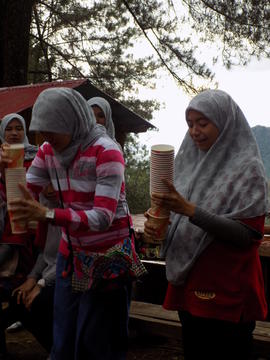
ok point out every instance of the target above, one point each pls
(160, 224)
(17, 227)
(16, 153)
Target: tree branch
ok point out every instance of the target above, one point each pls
(181, 81)
(41, 41)
(63, 56)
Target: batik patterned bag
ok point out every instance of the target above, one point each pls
(106, 270)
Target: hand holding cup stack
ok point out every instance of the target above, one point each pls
(161, 167)
(15, 174)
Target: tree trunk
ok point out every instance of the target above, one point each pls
(15, 20)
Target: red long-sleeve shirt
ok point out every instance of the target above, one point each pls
(225, 283)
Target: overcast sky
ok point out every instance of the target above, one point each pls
(249, 87)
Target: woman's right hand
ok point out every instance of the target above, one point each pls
(27, 208)
(173, 201)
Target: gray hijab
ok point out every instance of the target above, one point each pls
(229, 179)
(104, 105)
(65, 111)
(29, 150)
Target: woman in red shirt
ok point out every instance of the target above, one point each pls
(16, 250)
(218, 203)
(14, 246)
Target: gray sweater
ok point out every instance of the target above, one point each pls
(224, 229)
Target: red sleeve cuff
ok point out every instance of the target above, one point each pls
(61, 217)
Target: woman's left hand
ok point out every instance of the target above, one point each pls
(27, 209)
(173, 201)
(21, 291)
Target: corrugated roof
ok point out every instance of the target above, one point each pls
(18, 98)
(21, 98)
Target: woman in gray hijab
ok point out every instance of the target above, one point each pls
(218, 204)
(16, 251)
(97, 259)
(103, 114)
(13, 131)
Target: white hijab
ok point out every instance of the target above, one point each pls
(29, 150)
(65, 111)
(229, 179)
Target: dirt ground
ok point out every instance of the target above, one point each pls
(23, 346)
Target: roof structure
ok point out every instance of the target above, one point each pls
(20, 99)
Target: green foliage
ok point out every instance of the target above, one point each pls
(137, 176)
(100, 39)
(262, 136)
(119, 45)
(92, 39)
(240, 28)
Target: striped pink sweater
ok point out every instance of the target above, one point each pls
(93, 190)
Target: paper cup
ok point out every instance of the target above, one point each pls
(17, 227)
(162, 149)
(161, 167)
(13, 177)
(158, 211)
(16, 154)
(160, 224)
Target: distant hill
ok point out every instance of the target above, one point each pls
(262, 135)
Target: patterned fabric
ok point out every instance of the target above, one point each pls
(93, 270)
(29, 150)
(93, 194)
(229, 179)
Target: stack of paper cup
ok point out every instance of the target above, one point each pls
(15, 174)
(161, 167)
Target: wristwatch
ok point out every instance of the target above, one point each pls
(41, 283)
(50, 214)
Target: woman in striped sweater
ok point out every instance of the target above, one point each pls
(86, 168)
